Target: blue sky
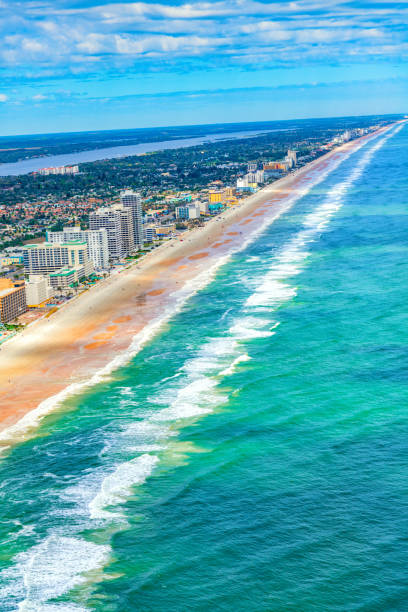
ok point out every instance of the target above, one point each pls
(83, 65)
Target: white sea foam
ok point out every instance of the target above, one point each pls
(117, 486)
(32, 419)
(246, 328)
(274, 289)
(232, 368)
(58, 564)
(50, 569)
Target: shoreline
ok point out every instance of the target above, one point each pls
(102, 328)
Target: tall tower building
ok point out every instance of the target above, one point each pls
(109, 219)
(292, 155)
(127, 228)
(131, 199)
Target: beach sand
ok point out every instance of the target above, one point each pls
(81, 338)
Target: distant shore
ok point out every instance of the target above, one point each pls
(101, 329)
(33, 164)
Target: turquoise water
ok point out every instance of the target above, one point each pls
(252, 456)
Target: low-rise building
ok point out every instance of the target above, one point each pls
(164, 231)
(190, 211)
(59, 170)
(149, 232)
(66, 277)
(204, 210)
(215, 196)
(10, 260)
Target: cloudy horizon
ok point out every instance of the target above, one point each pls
(106, 65)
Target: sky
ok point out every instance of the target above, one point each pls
(90, 64)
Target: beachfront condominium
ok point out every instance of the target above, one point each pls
(96, 240)
(292, 157)
(109, 219)
(47, 257)
(12, 300)
(131, 199)
(118, 222)
(126, 228)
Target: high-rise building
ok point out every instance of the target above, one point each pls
(131, 199)
(47, 257)
(96, 240)
(12, 300)
(126, 228)
(256, 177)
(109, 219)
(252, 166)
(293, 156)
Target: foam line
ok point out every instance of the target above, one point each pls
(32, 419)
(58, 563)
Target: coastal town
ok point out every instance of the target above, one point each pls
(55, 249)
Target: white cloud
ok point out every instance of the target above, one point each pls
(3, 97)
(48, 35)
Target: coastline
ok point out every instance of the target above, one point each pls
(102, 328)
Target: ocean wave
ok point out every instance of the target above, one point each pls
(275, 288)
(50, 569)
(59, 563)
(117, 486)
(31, 420)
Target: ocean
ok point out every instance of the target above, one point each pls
(252, 455)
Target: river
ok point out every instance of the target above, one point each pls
(26, 166)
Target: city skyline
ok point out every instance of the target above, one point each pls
(111, 65)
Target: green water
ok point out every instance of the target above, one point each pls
(253, 455)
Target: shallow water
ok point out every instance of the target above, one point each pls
(252, 456)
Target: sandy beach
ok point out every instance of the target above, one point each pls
(99, 330)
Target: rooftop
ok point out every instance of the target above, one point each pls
(55, 244)
(67, 272)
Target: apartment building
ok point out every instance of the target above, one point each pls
(132, 200)
(109, 219)
(12, 300)
(96, 240)
(46, 257)
(126, 228)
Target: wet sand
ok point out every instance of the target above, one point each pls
(81, 338)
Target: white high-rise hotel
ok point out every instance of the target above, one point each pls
(97, 242)
(109, 219)
(132, 200)
(47, 257)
